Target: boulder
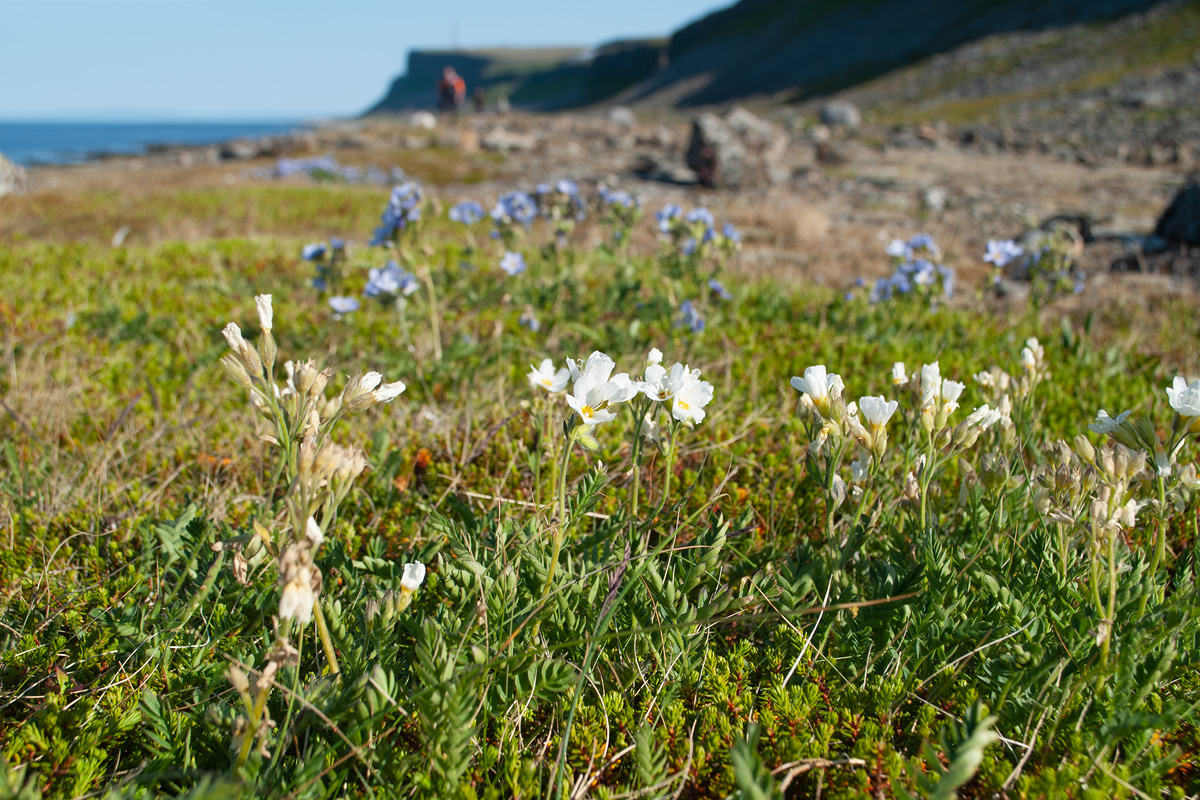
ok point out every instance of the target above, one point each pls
(13, 179)
(423, 119)
(841, 112)
(621, 116)
(1180, 223)
(501, 140)
(739, 151)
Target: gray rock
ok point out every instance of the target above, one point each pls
(423, 120)
(621, 116)
(841, 112)
(737, 152)
(1181, 221)
(13, 179)
(501, 140)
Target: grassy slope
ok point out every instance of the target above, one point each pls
(117, 416)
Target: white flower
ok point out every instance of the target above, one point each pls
(546, 377)
(1105, 424)
(899, 376)
(655, 356)
(877, 410)
(661, 384)
(1028, 360)
(265, 314)
(233, 335)
(297, 599)
(389, 391)
(1127, 514)
(413, 577)
(819, 387)
(951, 391)
(859, 470)
(985, 379)
(312, 532)
(650, 428)
(931, 384)
(1184, 397)
(1162, 464)
(690, 400)
(982, 418)
(594, 392)
(368, 382)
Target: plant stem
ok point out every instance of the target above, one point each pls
(433, 317)
(670, 463)
(326, 641)
(559, 527)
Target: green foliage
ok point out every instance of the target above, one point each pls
(741, 634)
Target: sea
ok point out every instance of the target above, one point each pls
(38, 143)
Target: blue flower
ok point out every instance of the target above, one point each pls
(404, 207)
(391, 280)
(1002, 251)
(529, 320)
(691, 317)
(731, 233)
(717, 288)
(468, 212)
(512, 263)
(618, 198)
(669, 212)
(514, 207)
(343, 305)
(336, 244)
(567, 187)
(313, 252)
(689, 247)
(542, 188)
(700, 214)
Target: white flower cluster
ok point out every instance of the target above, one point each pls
(596, 392)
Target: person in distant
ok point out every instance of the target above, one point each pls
(452, 91)
(479, 98)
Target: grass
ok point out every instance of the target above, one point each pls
(554, 647)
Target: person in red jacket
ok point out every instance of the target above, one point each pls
(452, 91)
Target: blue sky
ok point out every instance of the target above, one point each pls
(267, 59)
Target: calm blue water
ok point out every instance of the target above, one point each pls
(30, 143)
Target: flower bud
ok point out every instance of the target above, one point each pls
(1084, 448)
(236, 371)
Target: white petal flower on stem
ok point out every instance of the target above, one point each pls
(690, 400)
(819, 386)
(899, 376)
(389, 391)
(265, 313)
(982, 418)
(368, 382)
(877, 410)
(594, 392)
(951, 391)
(233, 335)
(312, 532)
(297, 599)
(1028, 359)
(859, 470)
(1105, 424)
(413, 577)
(548, 378)
(931, 384)
(1184, 397)
(661, 384)
(655, 356)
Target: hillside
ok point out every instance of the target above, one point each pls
(792, 51)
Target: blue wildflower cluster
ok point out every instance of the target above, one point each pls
(690, 317)
(1046, 262)
(343, 305)
(392, 282)
(620, 212)
(403, 209)
(562, 205)
(918, 270)
(328, 262)
(327, 168)
(512, 212)
(468, 212)
(694, 234)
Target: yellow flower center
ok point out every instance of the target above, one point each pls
(683, 405)
(588, 411)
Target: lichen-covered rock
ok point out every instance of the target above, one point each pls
(738, 151)
(13, 179)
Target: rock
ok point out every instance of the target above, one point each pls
(819, 134)
(935, 199)
(423, 120)
(239, 150)
(501, 140)
(1180, 223)
(13, 179)
(737, 152)
(841, 112)
(468, 141)
(621, 116)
